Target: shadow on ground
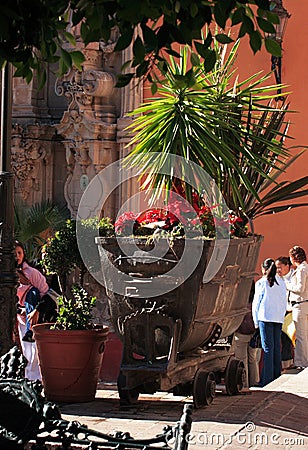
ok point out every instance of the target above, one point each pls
(268, 409)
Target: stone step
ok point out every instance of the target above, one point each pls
(288, 381)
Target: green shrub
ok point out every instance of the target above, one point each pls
(75, 313)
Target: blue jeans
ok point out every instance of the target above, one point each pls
(31, 301)
(270, 333)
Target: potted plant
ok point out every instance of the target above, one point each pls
(70, 351)
(62, 257)
(234, 133)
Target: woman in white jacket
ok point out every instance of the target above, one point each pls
(298, 288)
(268, 309)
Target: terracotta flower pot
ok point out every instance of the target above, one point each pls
(70, 361)
(110, 367)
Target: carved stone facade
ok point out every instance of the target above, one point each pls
(88, 129)
(67, 133)
(63, 137)
(32, 162)
(35, 147)
(92, 126)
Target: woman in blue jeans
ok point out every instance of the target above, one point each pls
(268, 309)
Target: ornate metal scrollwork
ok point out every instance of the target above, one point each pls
(27, 418)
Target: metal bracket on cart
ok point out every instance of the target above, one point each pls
(160, 333)
(213, 338)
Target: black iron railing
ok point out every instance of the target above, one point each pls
(29, 421)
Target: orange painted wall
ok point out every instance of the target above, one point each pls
(289, 228)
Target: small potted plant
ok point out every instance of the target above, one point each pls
(70, 351)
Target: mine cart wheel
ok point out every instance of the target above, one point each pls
(235, 376)
(204, 386)
(127, 396)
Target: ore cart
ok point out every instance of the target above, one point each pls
(181, 340)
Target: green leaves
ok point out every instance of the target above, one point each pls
(123, 80)
(264, 4)
(266, 26)
(67, 59)
(77, 59)
(282, 194)
(255, 40)
(75, 313)
(70, 38)
(34, 225)
(124, 40)
(209, 60)
(61, 253)
(208, 54)
(138, 51)
(30, 29)
(273, 47)
(223, 39)
(194, 59)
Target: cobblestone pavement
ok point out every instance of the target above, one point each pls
(274, 417)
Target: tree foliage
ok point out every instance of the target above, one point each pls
(36, 32)
(61, 252)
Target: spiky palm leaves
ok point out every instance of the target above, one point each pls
(234, 130)
(35, 224)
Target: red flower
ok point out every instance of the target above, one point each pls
(182, 212)
(126, 224)
(158, 215)
(151, 215)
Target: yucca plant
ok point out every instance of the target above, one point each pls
(234, 130)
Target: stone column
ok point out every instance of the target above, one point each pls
(8, 277)
(88, 127)
(132, 97)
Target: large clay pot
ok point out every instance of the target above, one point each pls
(70, 361)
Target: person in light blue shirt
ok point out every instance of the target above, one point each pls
(268, 310)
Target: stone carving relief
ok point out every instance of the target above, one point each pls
(93, 126)
(88, 127)
(32, 162)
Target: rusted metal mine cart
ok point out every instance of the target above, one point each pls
(181, 340)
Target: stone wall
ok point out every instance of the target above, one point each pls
(66, 133)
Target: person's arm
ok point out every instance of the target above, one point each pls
(22, 278)
(33, 317)
(256, 302)
(38, 280)
(298, 282)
